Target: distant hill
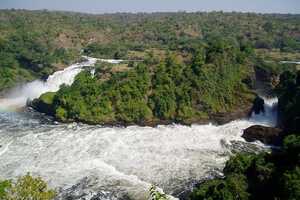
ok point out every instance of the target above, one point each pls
(33, 44)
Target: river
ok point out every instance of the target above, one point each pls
(84, 161)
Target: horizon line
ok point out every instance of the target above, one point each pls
(149, 12)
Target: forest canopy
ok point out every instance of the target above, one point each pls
(33, 44)
(151, 91)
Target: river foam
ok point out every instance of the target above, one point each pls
(84, 161)
(17, 97)
(87, 160)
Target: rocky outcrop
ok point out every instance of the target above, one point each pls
(267, 135)
(265, 80)
(44, 103)
(258, 105)
(244, 111)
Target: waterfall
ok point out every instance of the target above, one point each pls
(17, 97)
(269, 117)
(109, 162)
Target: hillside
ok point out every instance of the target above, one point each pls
(269, 175)
(211, 71)
(158, 92)
(35, 43)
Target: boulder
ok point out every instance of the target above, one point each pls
(44, 104)
(267, 135)
(243, 111)
(258, 105)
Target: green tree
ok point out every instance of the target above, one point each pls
(291, 180)
(234, 187)
(156, 195)
(26, 188)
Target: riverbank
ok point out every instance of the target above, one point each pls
(92, 160)
(241, 112)
(273, 175)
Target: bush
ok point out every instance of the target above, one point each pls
(291, 180)
(234, 187)
(288, 91)
(291, 145)
(156, 195)
(238, 164)
(26, 188)
(170, 90)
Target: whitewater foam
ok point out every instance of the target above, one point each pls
(269, 117)
(88, 161)
(17, 97)
(121, 160)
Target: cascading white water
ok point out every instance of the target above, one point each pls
(88, 161)
(289, 62)
(269, 118)
(110, 162)
(18, 96)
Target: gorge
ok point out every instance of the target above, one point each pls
(115, 162)
(133, 106)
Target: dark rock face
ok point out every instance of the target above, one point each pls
(42, 106)
(265, 81)
(44, 103)
(267, 135)
(88, 188)
(258, 105)
(243, 111)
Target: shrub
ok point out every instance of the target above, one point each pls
(26, 188)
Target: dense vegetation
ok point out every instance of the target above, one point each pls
(265, 176)
(35, 43)
(159, 90)
(26, 188)
(289, 101)
(154, 194)
(194, 66)
(26, 53)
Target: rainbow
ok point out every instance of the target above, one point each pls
(11, 105)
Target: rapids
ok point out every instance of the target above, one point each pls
(83, 161)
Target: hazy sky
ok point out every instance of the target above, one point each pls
(108, 6)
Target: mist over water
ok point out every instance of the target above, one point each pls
(17, 97)
(110, 162)
(269, 118)
(115, 160)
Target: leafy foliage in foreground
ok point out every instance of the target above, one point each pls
(263, 176)
(167, 91)
(156, 195)
(26, 188)
(25, 56)
(289, 101)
